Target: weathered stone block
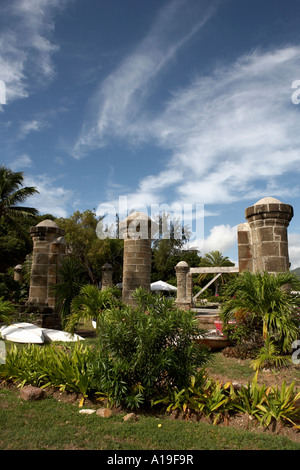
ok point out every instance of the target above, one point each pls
(275, 264)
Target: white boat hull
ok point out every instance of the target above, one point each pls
(23, 333)
(58, 335)
(29, 333)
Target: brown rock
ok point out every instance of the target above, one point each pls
(30, 393)
(104, 412)
(130, 417)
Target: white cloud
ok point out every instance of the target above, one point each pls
(52, 198)
(21, 162)
(231, 134)
(234, 131)
(221, 238)
(294, 249)
(30, 126)
(116, 108)
(25, 45)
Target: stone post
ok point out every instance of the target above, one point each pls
(18, 273)
(264, 237)
(49, 248)
(183, 298)
(107, 272)
(137, 230)
(245, 247)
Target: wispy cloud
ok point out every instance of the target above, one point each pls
(26, 49)
(21, 162)
(232, 134)
(52, 198)
(118, 105)
(29, 126)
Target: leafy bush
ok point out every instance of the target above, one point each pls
(70, 369)
(268, 405)
(264, 307)
(269, 357)
(90, 303)
(147, 350)
(7, 310)
(10, 289)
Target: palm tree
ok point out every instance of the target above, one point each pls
(11, 196)
(89, 304)
(264, 298)
(211, 260)
(71, 279)
(7, 310)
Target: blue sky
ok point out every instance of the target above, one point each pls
(156, 101)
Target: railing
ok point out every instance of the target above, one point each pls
(218, 270)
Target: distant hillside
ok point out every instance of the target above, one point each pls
(296, 271)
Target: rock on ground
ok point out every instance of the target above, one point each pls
(30, 393)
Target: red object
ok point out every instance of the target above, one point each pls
(219, 327)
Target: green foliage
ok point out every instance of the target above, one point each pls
(11, 196)
(90, 251)
(279, 406)
(185, 399)
(269, 357)
(71, 276)
(270, 404)
(10, 289)
(151, 348)
(90, 303)
(265, 305)
(70, 369)
(251, 397)
(7, 310)
(80, 369)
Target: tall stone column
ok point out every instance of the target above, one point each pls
(49, 248)
(137, 230)
(265, 233)
(183, 285)
(107, 272)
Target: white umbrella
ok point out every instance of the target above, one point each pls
(161, 285)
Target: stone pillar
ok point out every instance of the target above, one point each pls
(49, 248)
(245, 247)
(137, 230)
(107, 272)
(183, 298)
(265, 233)
(18, 273)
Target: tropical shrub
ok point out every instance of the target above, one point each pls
(71, 277)
(69, 369)
(269, 357)
(146, 350)
(90, 303)
(7, 310)
(265, 306)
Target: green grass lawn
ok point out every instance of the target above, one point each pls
(52, 425)
(239, 370)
